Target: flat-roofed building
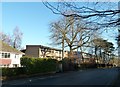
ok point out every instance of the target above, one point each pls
(40, 51)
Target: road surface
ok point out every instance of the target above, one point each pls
(81, 77)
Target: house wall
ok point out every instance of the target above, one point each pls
(66, 54)
(13, 61)
(54, 53)
(38, 52)
(32, 51)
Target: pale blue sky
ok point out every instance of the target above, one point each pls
(32, 18)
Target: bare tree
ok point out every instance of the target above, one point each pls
(73, 33)
(12, 40)
(6, 38)
(17, 38)
(105, 15)
(95, 12)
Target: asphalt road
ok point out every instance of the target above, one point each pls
(81, 77)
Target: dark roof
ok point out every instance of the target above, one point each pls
(6, 48)
(23, 50)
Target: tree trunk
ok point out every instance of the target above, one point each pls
(62, 54)
(100, 54)
(70, 53)
(71, 62)
(14, 44)
(82, 55)
(96, 57)
(62, 48)
(119, 47)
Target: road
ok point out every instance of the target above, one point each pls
(81, 77)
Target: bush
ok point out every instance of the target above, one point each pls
(38, 65)
(69, 65)
(31, 66)
(88, 65)
(13, 71)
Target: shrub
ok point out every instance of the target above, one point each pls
(68, 64)
(13, 71)
(38, 65)
(31, 66)
(88, 65)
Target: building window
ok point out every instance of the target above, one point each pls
(5, 55)
(8, 55)
(60, 52)
(52, 51)
(15, 65)
(8, 65)
(16, 56)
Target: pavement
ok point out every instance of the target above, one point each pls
(90, 77)
(117, 82)
(23, 80)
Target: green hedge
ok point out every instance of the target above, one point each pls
(12, 71)
(31, 66)
(38, 65)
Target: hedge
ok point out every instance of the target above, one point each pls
(12, 71)
(88, 65)
(38, 65)
(31, 66)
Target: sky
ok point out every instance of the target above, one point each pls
(33, 19)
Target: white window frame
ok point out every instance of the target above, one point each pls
(5, 55)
